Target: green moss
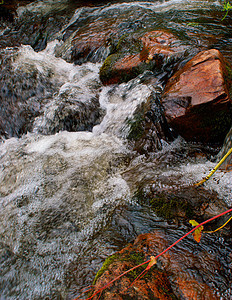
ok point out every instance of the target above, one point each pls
(105, 266)
(136, 258)
(130, 43)
(105, 70)
(136, 127)
(166, 206)
(169, 208)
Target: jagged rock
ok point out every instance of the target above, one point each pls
(141, 51)
(148, 127)
(196, 98)
(134, 113)
(22, 91)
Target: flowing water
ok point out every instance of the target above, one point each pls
(68, 172)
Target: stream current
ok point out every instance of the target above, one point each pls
(67, 188)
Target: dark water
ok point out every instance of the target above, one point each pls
(67, 186)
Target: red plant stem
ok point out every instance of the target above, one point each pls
(176, 242)
(199, 225)
(116, 278)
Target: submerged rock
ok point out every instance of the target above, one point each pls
(91, 43)
(188, 270)
(197, 101)
(155, 50)
(184, 272)
(66, 112)
(38, 94)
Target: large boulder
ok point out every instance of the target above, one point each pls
(186, 272)
(196, 99)
(155, 50)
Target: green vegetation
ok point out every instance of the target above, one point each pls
(105, 265)
(136, 258)
(136, 127)
(170, 207)
(228, 78)
(166, 206)
(227, 7)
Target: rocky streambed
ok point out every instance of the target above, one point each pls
(110, 112)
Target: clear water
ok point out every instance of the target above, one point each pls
(66, 196)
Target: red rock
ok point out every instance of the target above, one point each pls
(155, 48)
(196, 98)
(156, 42)
(185, 273)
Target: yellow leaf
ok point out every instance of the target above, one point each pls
(152, 262)
(193, 222)
(197, 232)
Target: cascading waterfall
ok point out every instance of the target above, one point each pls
(68, 171)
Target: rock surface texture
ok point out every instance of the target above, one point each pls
(196, 98)
(154, 50)
(177, 275)
(188, 270)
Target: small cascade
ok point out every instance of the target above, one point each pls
(74, 153)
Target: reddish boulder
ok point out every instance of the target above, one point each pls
(181, 273)
(139, 52)
(196, 98)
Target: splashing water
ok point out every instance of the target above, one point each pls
(68, 174)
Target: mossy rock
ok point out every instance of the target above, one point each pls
(105, 266)
(228, 78)
(183, 204)
(156, 279)
(132, 56)
(168, 206)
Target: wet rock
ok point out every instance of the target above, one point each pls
(74, 114)
(196, 99)
(93, 33)
(29, 26)
(34, 96)
(155, 50)
(189, 269)
(92, 43)
(182, 204)
(21, 94)
(134, 113)
(8, 8)
(178, 273)
(148, 126)
(154, 286)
